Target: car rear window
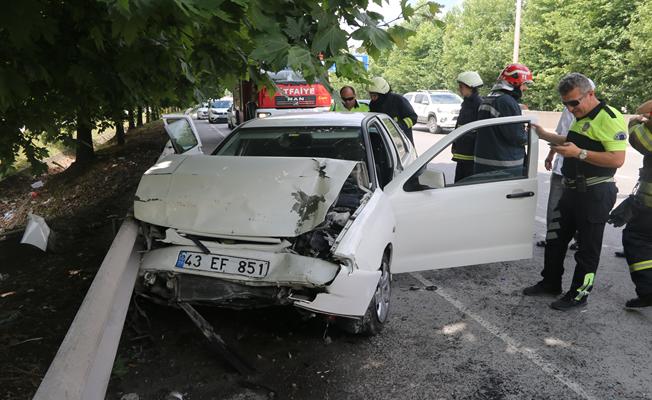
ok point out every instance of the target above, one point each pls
(343, 143)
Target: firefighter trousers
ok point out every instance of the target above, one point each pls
(637, 243)
(585, 213)
(463, 169)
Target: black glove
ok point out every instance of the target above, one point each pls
(622, 214)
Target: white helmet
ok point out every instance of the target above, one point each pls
(470, 78)
(378, 85)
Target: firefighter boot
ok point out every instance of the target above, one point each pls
(569, 301)
(640, 302)
(541, 289)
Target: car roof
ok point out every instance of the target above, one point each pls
(311, 119)
(431, 91)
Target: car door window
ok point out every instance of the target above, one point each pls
(418, 98)
(382, 158)
(181, 135)
(400, 142)
(409, 97)
(498, 160)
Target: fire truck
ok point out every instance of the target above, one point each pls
(294, 94)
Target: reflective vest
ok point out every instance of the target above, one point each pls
(602, 129)
(359, 107)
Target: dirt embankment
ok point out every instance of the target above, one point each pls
(41, 292)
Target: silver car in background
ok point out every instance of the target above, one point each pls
(217, 110)
(202, 111)
(438, 109)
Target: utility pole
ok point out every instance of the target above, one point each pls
(517, 30)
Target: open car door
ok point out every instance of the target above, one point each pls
(483, 218)
(184, 138)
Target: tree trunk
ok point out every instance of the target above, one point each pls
(148, 114)
(119, 130)
(84, 150)
(130, 119)
(139, 116)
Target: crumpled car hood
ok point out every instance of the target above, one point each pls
(240, 196)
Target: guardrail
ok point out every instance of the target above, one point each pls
(82, 366)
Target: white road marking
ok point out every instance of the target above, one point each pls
(530, 354)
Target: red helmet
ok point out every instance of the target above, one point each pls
(516, 75)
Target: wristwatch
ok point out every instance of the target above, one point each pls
(583, 154)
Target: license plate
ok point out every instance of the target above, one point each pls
(222, 263)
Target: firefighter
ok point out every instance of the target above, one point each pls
(383, 100)
(502, 147)
(468, 84)
(636, 211)
(593, 150)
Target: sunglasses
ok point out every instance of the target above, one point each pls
(348, 98)
(574, 103)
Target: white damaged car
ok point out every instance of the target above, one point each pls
(317, 211)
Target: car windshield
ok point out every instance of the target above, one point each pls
(221, 104)
(344, 143)
(446, 98)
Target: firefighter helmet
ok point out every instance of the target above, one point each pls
(470, 78)
(378, 85)
(516, 75)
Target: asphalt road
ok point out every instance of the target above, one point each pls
(473, 337)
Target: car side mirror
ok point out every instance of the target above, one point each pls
(425, 179)
(432, 178)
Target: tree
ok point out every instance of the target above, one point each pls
(590, 37)
(81, 61)
(478, 37)
(417, 64)
(640, 57)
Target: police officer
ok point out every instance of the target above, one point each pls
(502, 147)
(383, 100)
(349, 101)
(636, 211)
(592, 151)
(463, 148)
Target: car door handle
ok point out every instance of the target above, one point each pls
(519, 195)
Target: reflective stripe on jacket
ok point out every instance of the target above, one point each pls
(501, 146)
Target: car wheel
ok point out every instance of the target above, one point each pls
(377, 313)
(432, 124)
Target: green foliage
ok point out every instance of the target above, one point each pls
(480, 38)
(640, 57)
(81, 63)
(591, 37)
(417, 65)
(608, 40)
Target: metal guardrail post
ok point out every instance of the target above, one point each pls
(82, 366)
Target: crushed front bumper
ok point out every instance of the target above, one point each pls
(309, 283)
